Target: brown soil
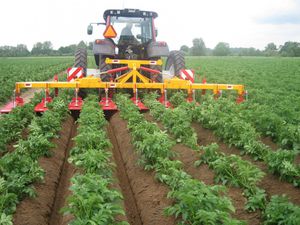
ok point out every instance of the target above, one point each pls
(271, 183)
(268, 141)
(62, 191)
(132, 212)
(36, 211)
(188, 157)
(150, 195)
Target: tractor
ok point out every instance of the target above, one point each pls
(128, 57)
(130, 34)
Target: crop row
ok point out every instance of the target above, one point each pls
(93, 200)
(243, 135)
(271, 82)
(177, 121)
(228, 169)
(194, 202)
(273, 85)
(20, 169)
(235, 171)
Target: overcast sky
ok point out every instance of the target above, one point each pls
(241, 23)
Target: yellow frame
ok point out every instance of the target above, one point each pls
(121, 82)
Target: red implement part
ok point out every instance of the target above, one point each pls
(240, 99)
(76, 105)
(42, 107)
(56, 89)
(190, 99)
(149, 70)
(139, 103)
(204, 82)
(117, 70)
(167, 104)
(11, 105)
(108, 104)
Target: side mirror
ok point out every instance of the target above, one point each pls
(156, 32)
(89, 29)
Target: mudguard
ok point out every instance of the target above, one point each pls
(157, 49)
(103, 47)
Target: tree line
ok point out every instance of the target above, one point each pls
(42, 49)
(288, 49)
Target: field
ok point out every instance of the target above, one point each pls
(214, 162)
(28, 69)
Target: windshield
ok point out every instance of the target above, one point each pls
(139, 29)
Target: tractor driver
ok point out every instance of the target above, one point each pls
(127, 37)
(127, 30)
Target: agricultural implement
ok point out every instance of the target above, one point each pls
(132, 61)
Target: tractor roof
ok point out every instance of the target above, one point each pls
(129, 13)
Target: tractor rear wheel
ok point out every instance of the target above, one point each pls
(175, 63)
(81, 59)
(104, 67)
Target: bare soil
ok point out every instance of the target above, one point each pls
(62, 192)
(268, 141)
(271, 183)
(37, 211)
(132, 212)
(188, 157)
(150, 195)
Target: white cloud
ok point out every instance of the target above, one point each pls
(237, 22)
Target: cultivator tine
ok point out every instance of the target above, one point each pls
(42, 106)
(241, 98)
(76, 103)
(164, 99)
(16, 101)
(191, 97)
(204, 82)
(107, 104)
(135, 99)
(55, 89)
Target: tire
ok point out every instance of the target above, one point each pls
(81, 59)
(175, 63)
(104, 67)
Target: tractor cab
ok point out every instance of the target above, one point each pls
(136, 28)
(129, 34)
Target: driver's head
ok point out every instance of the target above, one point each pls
(129, 25)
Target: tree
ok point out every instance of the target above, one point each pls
(44, 48)
(67, 50)
(198, 47)
(22, 50)
(221, 49)
(185, 49)
(37, 48)
(271, 50)
(90, 46)
(81, 44)
(291, 49)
